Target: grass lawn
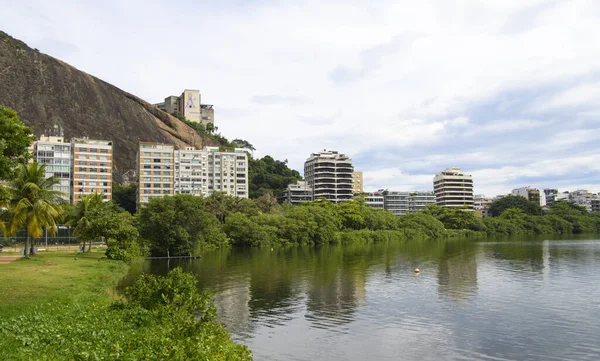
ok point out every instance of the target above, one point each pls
(64, 276)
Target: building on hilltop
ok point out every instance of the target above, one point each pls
(297, 192)
(329, 175)
(92, 168)
(357, 182)
(453, 189)
(190, 106)
(164, 170)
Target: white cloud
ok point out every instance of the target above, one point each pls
(296, 77)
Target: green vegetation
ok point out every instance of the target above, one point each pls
(125, 196)
(66, 310)
(267, 174)
(499, 206)
(15, 137)
(33, 204)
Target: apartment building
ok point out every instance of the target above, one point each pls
(357, 182)
(297, 192)
(532, 194)
(453, 189)
(419, 200)
(164, 170)
(56, 154)
(375, 200)
(91, 168)
(482, 205)
(156, 165)
(227, 171)
(550, 195)
(595, 205)
(189, 105)
(329, 175)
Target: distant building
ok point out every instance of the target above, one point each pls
(329, 175)
(419, 200)
(297, 192)
(82, 166)
(357, 182)
(375, 200)
(92, 168)
(55, 153)
(155, 171)
(189, 105)
(582, 197)
(482, 205)
(550, 195)
(164, 170)
(453, 189)
(397, 202)
(595, 205)
(531, 194)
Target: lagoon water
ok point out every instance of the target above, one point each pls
(517, 299)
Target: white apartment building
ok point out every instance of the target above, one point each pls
(297, 192)
(56, 155)
(155, 171)
(419, 200)
(200, 172)
(329, 175)
(453, 189)
(375, 200)
(91, 168)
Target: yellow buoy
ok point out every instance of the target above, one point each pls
(417, 270)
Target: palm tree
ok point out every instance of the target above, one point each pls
(33, 203)
(79, 218)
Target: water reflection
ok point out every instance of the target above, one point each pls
(498, 299)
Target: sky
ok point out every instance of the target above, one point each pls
(508, 91)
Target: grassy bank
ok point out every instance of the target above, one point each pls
(63, 277)
(62, 306)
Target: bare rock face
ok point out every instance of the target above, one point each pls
(47, 93)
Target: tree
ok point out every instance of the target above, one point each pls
(178, 225)
(210, 128)
(79, 218)
(111, 222)
(125, 197)
(33, 204)
(15, 138)
(220, 204)
(267, 203)
(267, 174)
(244, 144)
(502, 204)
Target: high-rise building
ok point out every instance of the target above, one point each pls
(189, 105)
(329, 175)
(199, 172)
(56, 155)
(357, 182)
(155, 171)
(453, 189)
(297, 192)
(400, 203)
(92, 168)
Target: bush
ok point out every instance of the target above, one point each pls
(118, 254)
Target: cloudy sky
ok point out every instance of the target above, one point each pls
(507, 90)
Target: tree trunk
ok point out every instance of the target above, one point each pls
(168, 256)
(90, 247)
(32, 249)
(26, 247)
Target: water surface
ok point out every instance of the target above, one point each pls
(513, 299)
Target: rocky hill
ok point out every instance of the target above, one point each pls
(47, 92)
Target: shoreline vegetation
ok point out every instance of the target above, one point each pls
(63, 306)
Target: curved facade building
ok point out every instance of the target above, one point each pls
(453, 189)
(329, 175)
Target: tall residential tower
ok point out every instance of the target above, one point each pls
(329, 175)
(453, 189)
